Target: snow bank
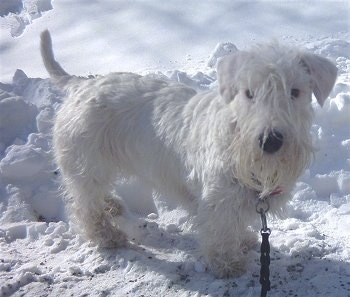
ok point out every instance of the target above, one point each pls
(27, 108)
(17, 14)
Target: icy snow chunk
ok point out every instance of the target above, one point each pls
(17, 208)
(18, 14)
(222, 49)
(152, 216)
(325, 184)
(304, 192)
(29, 267)
(15, 23)
(332, 48)
(336, 111)
(17, 119)
(75, 270)
(341, 88)
(341, 101)
(23, 163)
(336, 200)
(20, 78)
(346, 144)
(49, 242)
(39, 141)
(35, 7)
(34, 230)
(198, 81)
(59, 246)
(41, 92)
(44, 120)
(57, 229)
(48, 206)
(5, 267)
(344, 182)
(15, 231)
(129, 267)
(345, 210)
(292, 224)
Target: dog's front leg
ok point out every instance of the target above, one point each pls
(223, 217)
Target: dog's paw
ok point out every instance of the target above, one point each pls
(106, 235)
(224, 265)
(231, 264)
(249, 241)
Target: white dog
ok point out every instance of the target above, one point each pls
(220, 150)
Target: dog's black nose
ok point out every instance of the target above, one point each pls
(271, 142)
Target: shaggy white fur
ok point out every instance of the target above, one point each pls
(220, 150)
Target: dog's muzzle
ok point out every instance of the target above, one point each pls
(271, 142)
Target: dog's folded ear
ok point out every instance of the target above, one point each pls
(226, 71)
(323, 74)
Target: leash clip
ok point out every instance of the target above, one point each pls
(262, 207)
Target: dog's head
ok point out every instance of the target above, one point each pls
(269, 90)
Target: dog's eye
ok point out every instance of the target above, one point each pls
(294, 93)
(249, 94)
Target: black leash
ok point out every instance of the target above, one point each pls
(262, 208)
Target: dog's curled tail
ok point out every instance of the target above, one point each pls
(52, 66)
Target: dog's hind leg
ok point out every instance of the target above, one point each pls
(99, 213)
(96, 211)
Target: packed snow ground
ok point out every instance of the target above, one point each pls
(40, 253)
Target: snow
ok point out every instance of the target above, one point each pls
(40, 251)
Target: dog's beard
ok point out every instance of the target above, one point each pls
(268, 173)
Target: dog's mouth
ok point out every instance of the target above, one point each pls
(269, 174)
(263, 192)
(276, 192)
